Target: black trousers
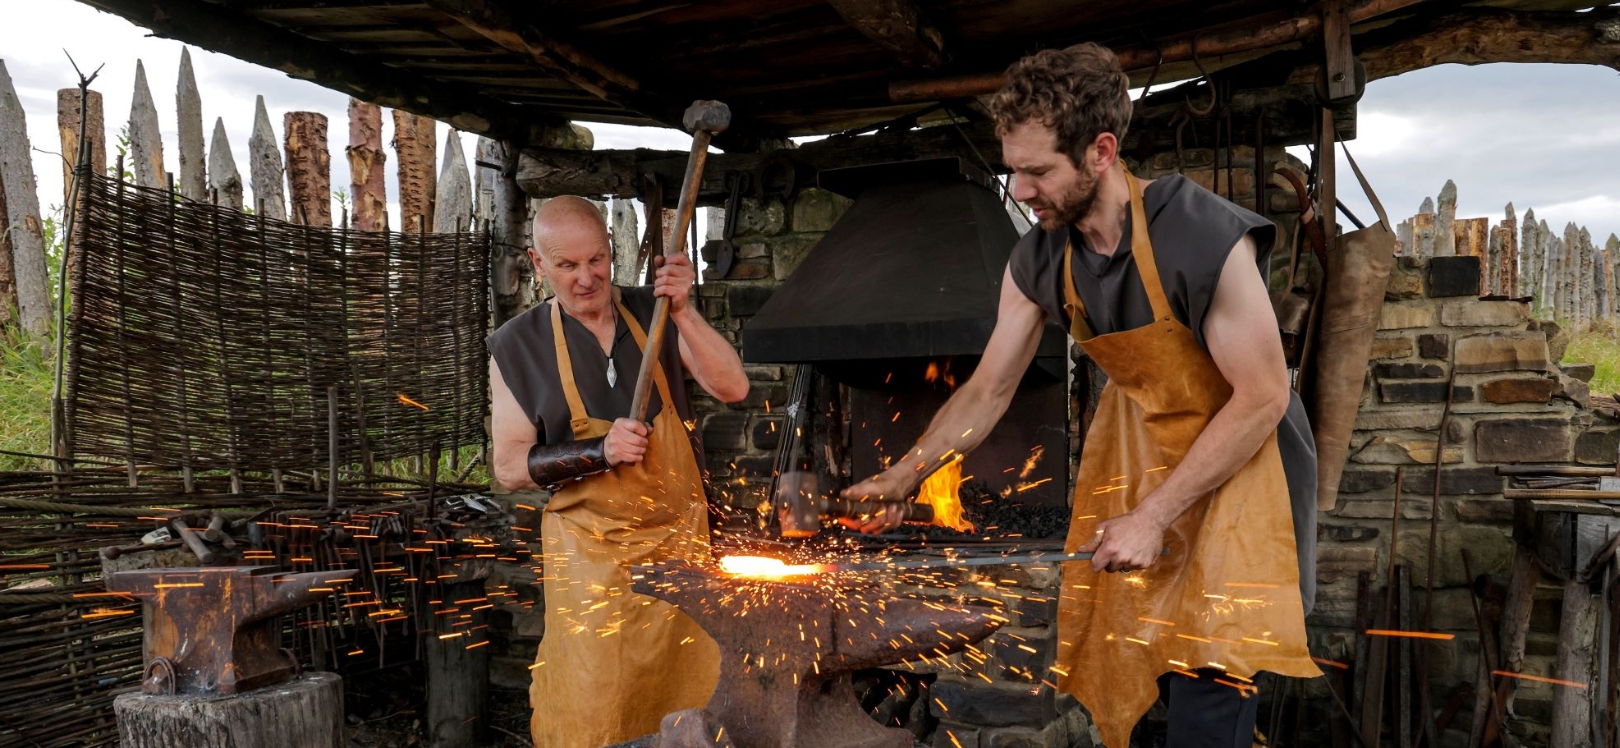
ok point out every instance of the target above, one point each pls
(1205, 713)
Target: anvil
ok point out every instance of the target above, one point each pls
(214, 630)
(787, 650)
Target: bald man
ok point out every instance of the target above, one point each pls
(562, 375)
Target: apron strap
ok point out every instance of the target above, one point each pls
(1142, 251)
(565, 372)
(641, 341)
(1146, 266)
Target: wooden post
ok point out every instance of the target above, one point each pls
(188, 107)
(1326, 173)
(457, 677)
(8, 279)
(264, 166)
(67, 125)
(1515, 629)
(414, 146)
(23, 228)
(626, 240)
(309, 167)
(145, 136)
(1577, 662)
(1508, 268)
(223, 177)
(452, 208)
(484, 180)
(510, 266)
(306, 711)
(366, 160)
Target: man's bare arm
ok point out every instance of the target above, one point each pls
(512, 434)
(1241, 332)
(973, 410)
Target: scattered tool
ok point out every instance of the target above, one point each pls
(801, 506)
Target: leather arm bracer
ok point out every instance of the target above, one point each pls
(553, 464)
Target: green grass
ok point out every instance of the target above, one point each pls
(1601, 348)
(25, 400)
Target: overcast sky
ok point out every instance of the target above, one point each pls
(1538, 136)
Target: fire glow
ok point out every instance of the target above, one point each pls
(765, 567)
(941, 491)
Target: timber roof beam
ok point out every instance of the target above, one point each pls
(899, 26)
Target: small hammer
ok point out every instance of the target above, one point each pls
(801, 506)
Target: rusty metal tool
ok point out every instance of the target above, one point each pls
(189, 537)
(215, 630)
(705, 119)
(801, 506)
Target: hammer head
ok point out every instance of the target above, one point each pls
(799, 503)
(711, 117)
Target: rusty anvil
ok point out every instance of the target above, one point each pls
(214, 630)
(787, 650)
(801, 505)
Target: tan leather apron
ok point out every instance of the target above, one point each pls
(612, 663)
(1227, 595)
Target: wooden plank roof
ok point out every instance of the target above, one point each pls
(786, 67)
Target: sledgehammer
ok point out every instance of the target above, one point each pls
(801, 506)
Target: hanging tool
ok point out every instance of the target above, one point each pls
(727, 252)
(705, 119)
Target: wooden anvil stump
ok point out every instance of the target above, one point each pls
(215, 673)
(787, 650)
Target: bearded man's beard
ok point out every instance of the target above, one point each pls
(1071, 206)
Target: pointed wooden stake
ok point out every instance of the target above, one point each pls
(188, 107)
(145, 137)
(366, 160)
(67, 125)
(484, 180)
(22, 208)
(452, 209)
(626, 241)
(414, 146)
(264, 166)
(309, 167)
(223, 176)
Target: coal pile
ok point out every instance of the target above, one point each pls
(996, 517)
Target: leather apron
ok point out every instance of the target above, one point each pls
(1227, 595)
(612, 663)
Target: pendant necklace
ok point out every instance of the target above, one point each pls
(613, 371)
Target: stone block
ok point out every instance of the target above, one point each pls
(994, 704)
(949, 734)
(725, 431)
(1024, 658)
(754, 466)
(1490, 551)
(1522, 440)
(1597, 447)
(1434, 346)
(767, 433)
(1391, 346)
(1454, 481)
(1574, 390)
(1485, 510)
(1432, 391)
(760, 219)
(1392, 449)
(1405, 282)
(1583, 372)
(1242, 180)
(1409, 371)
(1282, 201)
(760, 394)
(817, 210)
(1558, 338)
(744, 270)
(1334, 563)
(1502, 351)
(1484, 313)
(1411, 508)
(1345, 533)
(1055, 735)
(1453, 276)
(788, 253)
(745, 301)
(1401, 316)
(1036, 610)
(1517, 390)
(1362, 480)
(753, 250)
(1423, 419)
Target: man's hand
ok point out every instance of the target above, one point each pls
(626, 442)
(673, 280)
(1129, 542)
(886, 486)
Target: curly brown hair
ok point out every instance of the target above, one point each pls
(1079, 93)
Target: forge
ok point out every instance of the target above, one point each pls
(787, 648)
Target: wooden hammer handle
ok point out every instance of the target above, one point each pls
(676, 247)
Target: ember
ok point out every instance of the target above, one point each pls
(942, 491)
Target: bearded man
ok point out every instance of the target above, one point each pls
(1197, 483)
(562, 376)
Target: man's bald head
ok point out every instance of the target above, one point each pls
(569, 223)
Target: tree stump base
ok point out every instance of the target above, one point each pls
(306, 712)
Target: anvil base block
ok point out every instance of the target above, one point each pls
(306, 712)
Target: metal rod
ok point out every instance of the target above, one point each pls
(331, 448)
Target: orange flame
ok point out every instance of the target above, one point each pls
(764, 567)
(935, 374)
(940, 491)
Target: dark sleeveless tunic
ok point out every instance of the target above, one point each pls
(1193, 231)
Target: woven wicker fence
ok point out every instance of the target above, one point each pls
(207, 338)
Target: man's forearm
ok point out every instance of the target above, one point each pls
(714, 361)
(958, 427)
(1231, 439)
